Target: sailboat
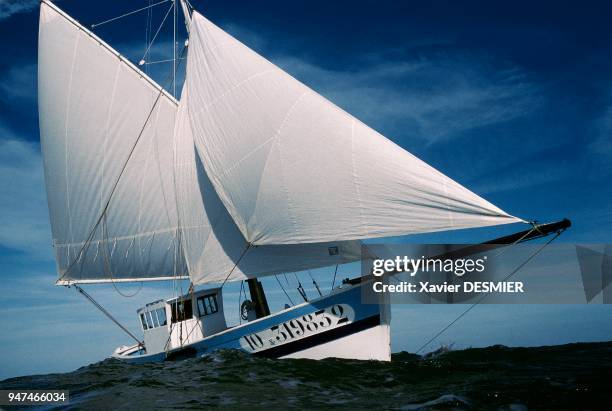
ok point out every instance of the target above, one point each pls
(249, 174)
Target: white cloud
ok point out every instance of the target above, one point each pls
(430, 100)
(24, 219)
(509, 179)
(19, 82)
(10, 7)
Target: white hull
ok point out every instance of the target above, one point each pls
(370, 344)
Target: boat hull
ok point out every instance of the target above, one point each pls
(338, 325)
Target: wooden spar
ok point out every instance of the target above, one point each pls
(538, 231)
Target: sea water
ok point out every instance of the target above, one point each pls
(575, 376)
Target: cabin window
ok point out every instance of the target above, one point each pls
(161, 315)
(154, 318)
(207, 305)
(142, 320)
(148, 318)
(181, 311)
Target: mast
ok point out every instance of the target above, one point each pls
(258, 297)
(186, 7)
(174, 49)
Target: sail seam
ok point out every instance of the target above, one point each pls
(141, 191)
(448, 206)
(276, 137)
(198, 160)
(105, 143)
(265, 142)
(130, 237)
(233, 88)
(158, 165)
(355, 178)
(66, 126)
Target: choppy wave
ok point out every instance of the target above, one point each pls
(574, 376)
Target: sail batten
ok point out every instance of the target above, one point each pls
(293, 168)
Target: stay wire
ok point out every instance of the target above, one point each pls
(300, 288)
(283, 288)
(106, 313)
(334, 280)
(157, 32)
(487, 294)
(129, 13)
(315, 283)
(247, 248)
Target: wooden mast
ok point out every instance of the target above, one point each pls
(258, 297)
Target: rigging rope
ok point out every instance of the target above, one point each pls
(146, 63)
(315, 283)
(106, 313)
(300, 288)
(482, 297)
(248, 247)
(142, 60)
(129, 13)
(283, 288)
(148, 28)
(334, 281)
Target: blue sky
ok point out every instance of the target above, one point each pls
(514, 101)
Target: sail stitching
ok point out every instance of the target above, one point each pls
(448, 206)
(276, 137)
(93, 230)
(355, 182)
(129, 237)
(142, 185)
(66, 122)
(233, 88)
(215, 220)
(265, 142)
(107, 128)
(158, 162)
(125, 164)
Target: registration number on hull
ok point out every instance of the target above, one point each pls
(300, 327)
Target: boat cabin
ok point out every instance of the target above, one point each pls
(183, 320)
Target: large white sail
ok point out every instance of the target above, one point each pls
(291, 167)
(214, 247)
(164, 215)
(106, 129)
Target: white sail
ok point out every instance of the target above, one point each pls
(97, 111)
(215, 250)
(291, 167)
